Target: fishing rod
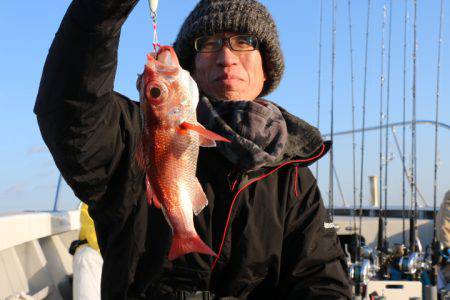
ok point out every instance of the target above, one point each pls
(363, 125)
(331, 155)
(411, 263)
(153, 6)
(405, 170)
(393, 126)
(319, 78)
(341, 193)
(352, 80)
(358, 271)
(380, 247)
(386, 144)
(436, 246)
(413, 216)
(405, 22)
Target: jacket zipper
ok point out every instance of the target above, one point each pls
(233, 178)
(244, 187)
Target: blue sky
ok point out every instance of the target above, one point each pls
(28, 176)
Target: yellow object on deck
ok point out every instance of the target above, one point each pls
(87, 230)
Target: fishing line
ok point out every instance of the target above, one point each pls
(363, 126)
(319, 75)
(153, 4)
(333, 58)
(438, 71)
(404, 127)
(353, 114)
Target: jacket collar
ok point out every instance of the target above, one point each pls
(304, 140)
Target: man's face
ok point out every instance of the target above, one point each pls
(228, 74)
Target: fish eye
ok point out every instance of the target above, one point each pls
(155, 92)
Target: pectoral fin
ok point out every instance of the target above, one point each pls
(205, 142)
(207, 137)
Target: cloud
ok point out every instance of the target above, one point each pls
(36, 150)
(14, 190)
(51, 186)
(47, 172)
(48, 163)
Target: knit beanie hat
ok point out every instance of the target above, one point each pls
(242, 16)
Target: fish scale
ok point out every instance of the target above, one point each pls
(176, 159)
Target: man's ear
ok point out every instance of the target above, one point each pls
(264, 68)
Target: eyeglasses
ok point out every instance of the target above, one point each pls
(241, 42)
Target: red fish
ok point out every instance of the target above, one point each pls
(169, 148)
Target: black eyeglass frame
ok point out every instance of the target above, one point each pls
(228, 41)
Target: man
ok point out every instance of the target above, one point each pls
(265, 217)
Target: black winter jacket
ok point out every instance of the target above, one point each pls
(268, 225)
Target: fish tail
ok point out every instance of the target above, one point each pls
(183, 245)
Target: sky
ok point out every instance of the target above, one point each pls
(28, 176)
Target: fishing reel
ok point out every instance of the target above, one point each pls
(373, 256)
(411, 263)
(361, 272)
